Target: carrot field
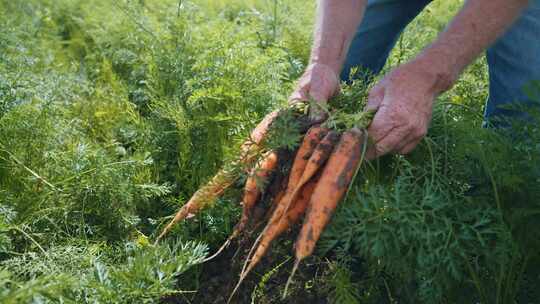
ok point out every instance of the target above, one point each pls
(114, 113)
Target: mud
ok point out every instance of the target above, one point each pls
(219, 276)
(354, 154)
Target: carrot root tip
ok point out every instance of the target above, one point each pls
(289, 280)
(242, 277)
(225, 245)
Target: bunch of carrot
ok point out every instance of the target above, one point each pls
(323, 168)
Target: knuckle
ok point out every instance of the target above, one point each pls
(420, 132)
(407, 124)
(372, 95)
(318, 95)
(393, 76)
(402, 152)
(405, 151)
(297, 96)
(380, 150)
(375, 91)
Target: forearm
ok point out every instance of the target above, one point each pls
(475, 28)
(336, 25)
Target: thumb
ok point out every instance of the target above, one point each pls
(299, 95)
(375, 98)
(320, 97)
(323, 86)
(317, 112)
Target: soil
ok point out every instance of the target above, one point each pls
(219, 277)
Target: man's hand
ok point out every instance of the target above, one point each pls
(335, 27)
(405, 96)
(404, 100)
(319, 82)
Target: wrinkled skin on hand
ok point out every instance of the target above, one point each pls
(319, 82)
(404, 102)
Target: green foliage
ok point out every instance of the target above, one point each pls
(147, 274)
(45, 289)
(258, 296)
(110, 116)
(343, 289)
(95, 273)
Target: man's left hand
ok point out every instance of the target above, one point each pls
(404, 99)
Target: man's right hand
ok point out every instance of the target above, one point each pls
(319, 82)
(335, 28)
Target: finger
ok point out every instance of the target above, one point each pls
(317, 113)
(375, 150)
(375, 97)
(381, 124)
(371, 154)
(391, 141)
(409, 147)
(409, 139)
(416, 134)
(319, 95)
(298, 95)
(322, 88)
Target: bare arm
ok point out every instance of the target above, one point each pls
(405, 96)
(475, 28)
(335, 27)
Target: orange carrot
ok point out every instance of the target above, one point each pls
(310, 153)
(316, 161)
(277, 198)
(328, 192)
(317, 158)
(306, 149)
(225, 177)
(275, 227)
(209, 192)
(307, 155)
(259, 133)
(252, 189)
(260, 173)
(311, 141)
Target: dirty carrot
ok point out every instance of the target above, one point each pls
(275, 227)
(209, 192)
(307, 150)
(317, 158)
(328, 192)
(277, 198)
(306, 153)
(252, 191)
(316, 161)
(225, 177)
(309, 143)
